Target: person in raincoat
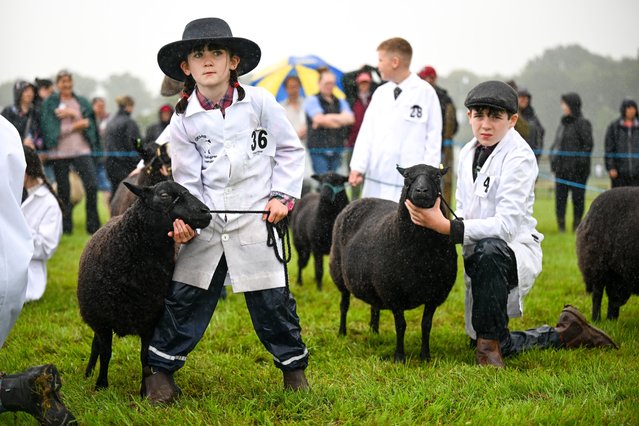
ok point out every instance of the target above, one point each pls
(234, 149)
(402, 126)
(501, 245)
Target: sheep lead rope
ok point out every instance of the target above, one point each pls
(441, 196)
(282, 231)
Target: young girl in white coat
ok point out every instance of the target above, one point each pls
(43, 212)
(501, 246)
(234, 149)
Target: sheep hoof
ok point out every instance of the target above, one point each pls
(400, 359)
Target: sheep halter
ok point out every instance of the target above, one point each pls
(334, 189)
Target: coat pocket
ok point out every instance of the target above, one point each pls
(252, 229)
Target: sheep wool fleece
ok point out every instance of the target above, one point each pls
(499, 204)
(234, 162)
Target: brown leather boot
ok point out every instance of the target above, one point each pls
(158, 387)
(574, 331)
(295, 380)
(36, 391)
(488, 352)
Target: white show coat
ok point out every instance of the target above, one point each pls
(44, 217)
(16, 244)
(234, 163)
(499, 204)
(403, 131)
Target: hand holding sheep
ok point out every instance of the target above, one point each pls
(182, 233)
(431, 218)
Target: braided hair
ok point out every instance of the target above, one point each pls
(189, 81)
(35, 170)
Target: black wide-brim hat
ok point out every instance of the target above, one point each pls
(216, 31)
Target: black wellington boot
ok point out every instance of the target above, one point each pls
(35, 391)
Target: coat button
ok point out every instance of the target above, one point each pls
(227, 144)
(225, 237)
(228, 190)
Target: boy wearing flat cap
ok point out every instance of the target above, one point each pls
(501, 247)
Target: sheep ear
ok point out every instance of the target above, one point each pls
(137, 190)
(444, 170)
(401, 170)
(344, 179)
(316, 177)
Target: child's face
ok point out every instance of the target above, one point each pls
(387, 64)
(210, 67)
(490, 127)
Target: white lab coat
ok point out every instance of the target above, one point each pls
(234, 163)
(44, 217)
(403, 131)
(16, 244)
(499, 204)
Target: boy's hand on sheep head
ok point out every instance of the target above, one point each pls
(277, 211)
(431, 218)
(182, 233)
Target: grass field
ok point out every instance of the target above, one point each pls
(230, 379)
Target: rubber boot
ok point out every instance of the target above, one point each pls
(295, 380)
(488, 352)
(158, 387)
(35, 391)
(574, 331)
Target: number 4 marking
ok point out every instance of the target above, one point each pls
(487, 184)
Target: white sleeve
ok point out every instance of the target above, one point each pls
(432, 155)
(288, 171)
(364, 142)
(186, 161)
(46, 236)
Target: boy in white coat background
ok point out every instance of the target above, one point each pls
(402, 125)
(501, 247)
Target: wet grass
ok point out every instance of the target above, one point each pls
(230, 378)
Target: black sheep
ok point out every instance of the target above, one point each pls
(608, 249)
(382, 258)
(157, 168)
(126, 268)
(313, 219)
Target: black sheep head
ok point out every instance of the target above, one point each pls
(175, 201)
(422, 184)
(331, 184)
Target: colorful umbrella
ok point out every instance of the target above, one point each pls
(305, 67)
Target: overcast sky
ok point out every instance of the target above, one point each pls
(101, 38)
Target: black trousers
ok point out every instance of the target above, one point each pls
(578, 203)
(85, 167)
(492, 268)
(188, 311)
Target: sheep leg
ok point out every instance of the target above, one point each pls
(319, 269)
(302, 260)
(374, 319)
(597, 295)
(400, 330)
(343, 309)
(427, 325)
(106, 341)
(93, 358)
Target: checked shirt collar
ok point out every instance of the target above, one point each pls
(222, 104)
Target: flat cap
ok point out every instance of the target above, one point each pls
(496, 94)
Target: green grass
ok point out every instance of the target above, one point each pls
(230, 378)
